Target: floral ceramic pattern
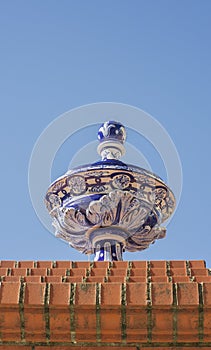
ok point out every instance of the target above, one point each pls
(109, 206)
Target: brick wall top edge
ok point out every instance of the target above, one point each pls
(154, 271)
(60, 283)
(67, 263)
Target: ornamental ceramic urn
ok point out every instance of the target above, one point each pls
(109, 207)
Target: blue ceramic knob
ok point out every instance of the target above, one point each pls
(112, 130)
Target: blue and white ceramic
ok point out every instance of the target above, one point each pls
(109, 207)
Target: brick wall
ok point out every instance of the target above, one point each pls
(125, 305)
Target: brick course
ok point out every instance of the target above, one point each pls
(125, 305)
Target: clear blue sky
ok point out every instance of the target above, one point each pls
(58, 55)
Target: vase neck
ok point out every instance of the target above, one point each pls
(108, 251)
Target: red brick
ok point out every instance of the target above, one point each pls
(188, 325)
(180, 279)
(58, 271)
(139, 265)
(19, 272)
(12, 279)
(95, 279)
(120, 264)
(178, 264)
(3, 271)
(136, 294)
(16, 347)
(78, 272)
(60, 324)
(85, 294)
(118, 272)
(207, 324)
(101, 347)
(136, 324)
(111, 294)
(10, 324)
(34, 279)
(99, 272)
(44, 264)
(64, 264)
(8, 263)
(53, 279)
(159, 279)
(111, 325)
(157, 272)
(34, 293)
(115, 279)
(197, 264)
(60, 294)
(162, 330)
(74, 279)
(199, 272)
(101, 265)
(26, 264)
(9, 293)
(177, 347)
(158, 264)
(94, 347)
(162, 294)
(137, 279)
(81, 264)
(63, 347)
(178, 272)
(34, 323)
(207, 293)
(187, 293)
(39, 271)
(138, 272)
(85, 325)
(201, 279)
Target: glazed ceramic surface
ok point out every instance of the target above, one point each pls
(109, 207)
